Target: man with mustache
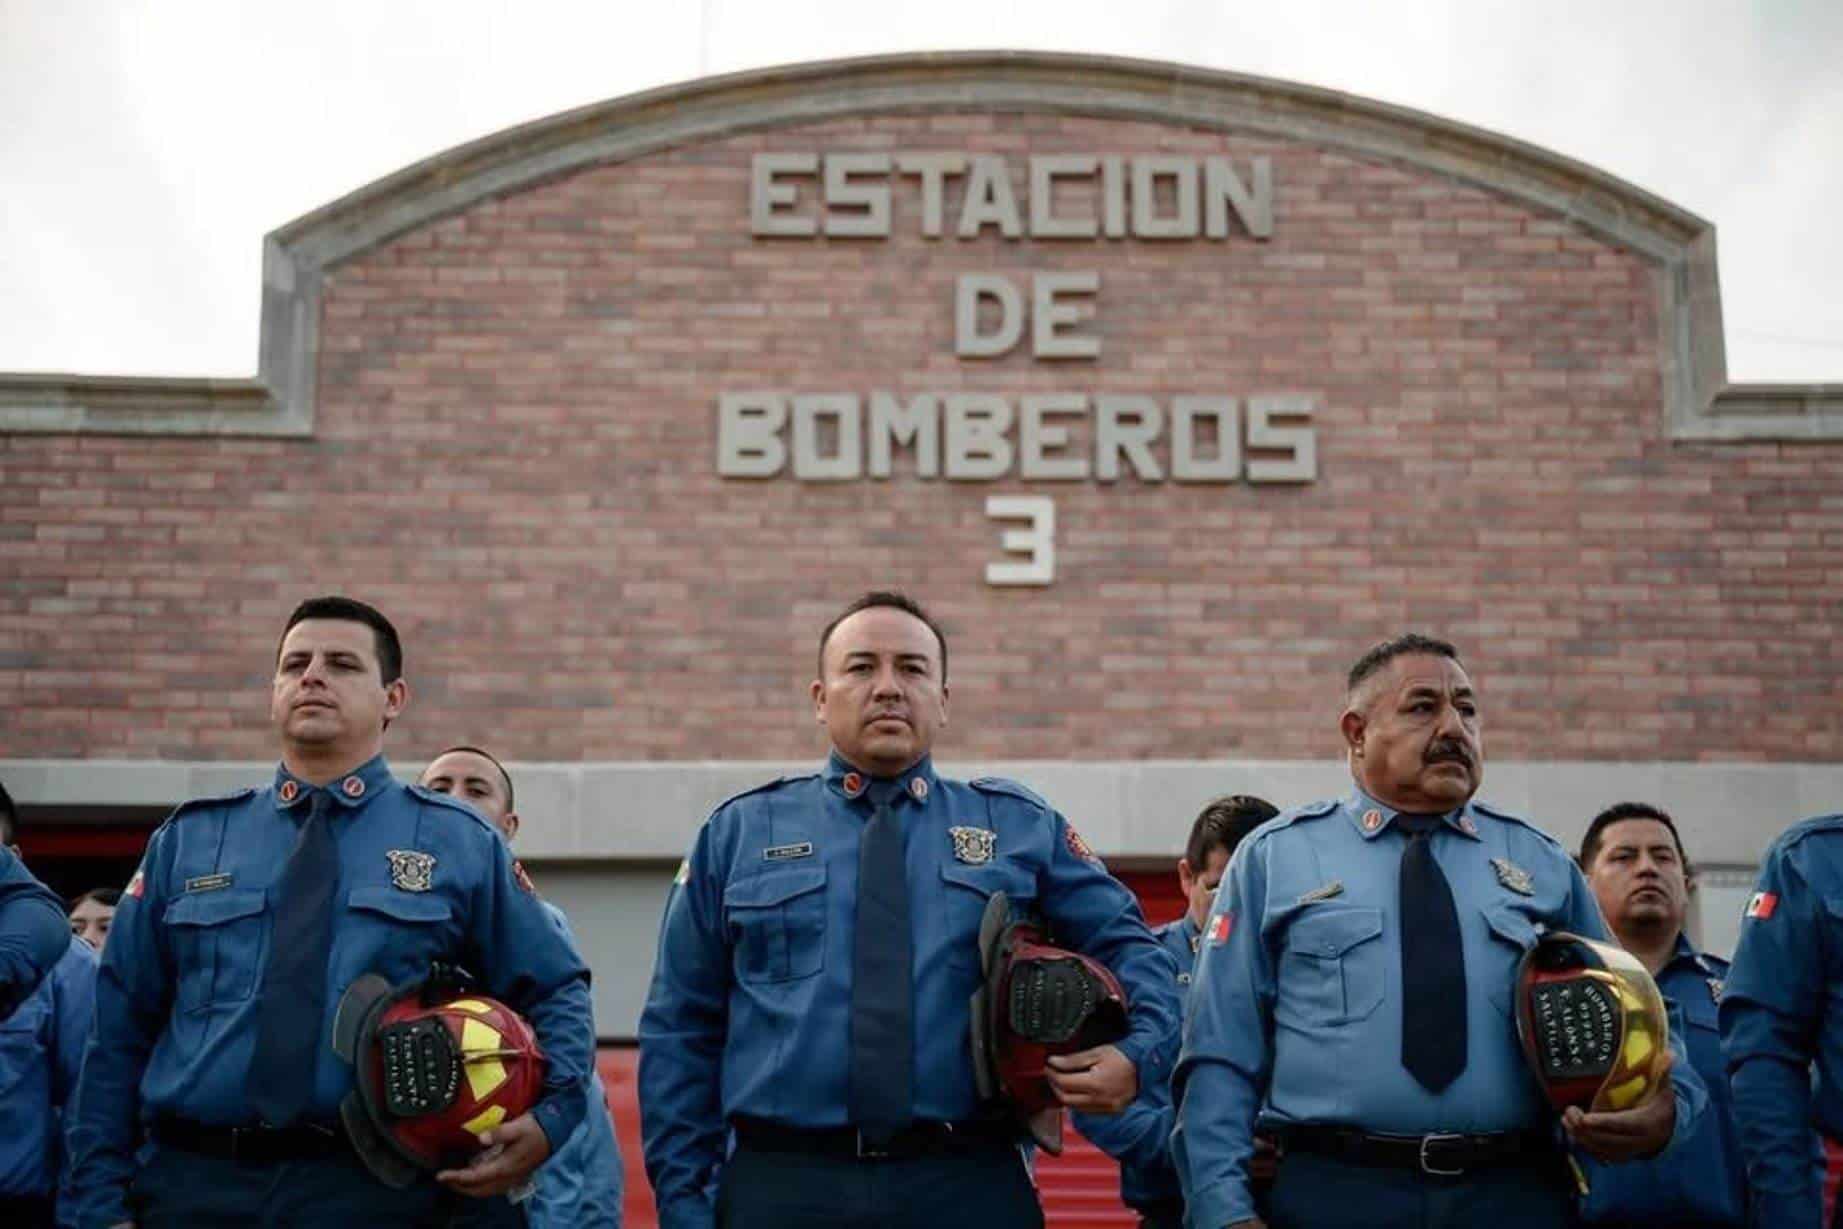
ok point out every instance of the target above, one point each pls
(805, 1060)
(250, 916)
(1640, 874)
(1354, 993)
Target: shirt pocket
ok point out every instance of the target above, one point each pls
(1332, 966)
(778, 924)
(965, 892)
(407, 928)
(220, 940)
(1517, 933)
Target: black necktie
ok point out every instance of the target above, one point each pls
(882, 992)
(293, 1002)
(1432, 963)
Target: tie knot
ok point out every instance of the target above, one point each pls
(882, 793)
(1418, 825)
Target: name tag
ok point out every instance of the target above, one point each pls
(208, 883)
(787, 853)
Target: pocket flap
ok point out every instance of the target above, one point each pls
(1332, 932)
(213, 908)
(984, 880)
(761, 891)
(404, 906)
(1511, 926)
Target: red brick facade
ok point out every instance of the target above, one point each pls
(513, 454)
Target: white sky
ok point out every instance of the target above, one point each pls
(146, 148)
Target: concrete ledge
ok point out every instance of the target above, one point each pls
(1137, 809)
(1699, 406)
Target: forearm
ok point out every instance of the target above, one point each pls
(561, 1023)
(1216, 1118)
(1772, 1109)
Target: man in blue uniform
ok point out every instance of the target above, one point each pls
(810, 998)
(250, 916)
(30, 947)
(1354, 990)
(1140, 1136)
(579, 1187)
(41, 1051)
(1781, 1012)
(1634, 860)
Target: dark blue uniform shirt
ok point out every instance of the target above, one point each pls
(1139, 1137)
(41, 1052)
(176, 1002)
(750, 1007)
(1703, 1180)
(1782, 1010)
(34, 932)
(1295, 1012)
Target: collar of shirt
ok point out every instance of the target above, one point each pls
(1372, 818)
(351, 791)
(917, 781)
(1686, 953)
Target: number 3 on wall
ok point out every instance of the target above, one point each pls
(1037, 543)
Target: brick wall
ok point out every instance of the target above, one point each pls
(514, 455)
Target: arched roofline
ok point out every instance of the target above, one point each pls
(1699, 403)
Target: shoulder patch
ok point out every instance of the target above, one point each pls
(192, 805)
(1006, 786)
(451, 803)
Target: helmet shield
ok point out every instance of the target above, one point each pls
(1036, 1000)
(1592, 1023)
(433, 1067)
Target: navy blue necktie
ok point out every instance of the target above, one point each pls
(882, 989)
(293, 1002)
(1433, 1039)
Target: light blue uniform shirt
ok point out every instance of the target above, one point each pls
(1782, 1011)
(580, 1186)
(41, 1052)
(750, 1007)
(177, 998)
(1139, 1137)
(1295, 1008)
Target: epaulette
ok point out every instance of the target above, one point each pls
(199, 804)
(1511, 817)
(450, 802)
(1004, 785)
(1286, 819)
(763, 788)
(1804, 828)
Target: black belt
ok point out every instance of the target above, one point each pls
(1440, 1155)
(251, 1145)
(916, 1140)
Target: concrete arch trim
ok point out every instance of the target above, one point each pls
(1699, 404)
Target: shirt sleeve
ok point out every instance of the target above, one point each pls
(1093, 912)
(33, 932)
(683, 1029)
(529, 963)
(133, 1001)
(1772, 1010)
(1227, 1059)
(581, 1186)
(1139, 1137)
(75, 1005)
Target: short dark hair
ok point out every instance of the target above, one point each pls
(351, 610)
(1596, 830)
(895, 600)
(486, 755)
(9, 817)
(111, 897)
(1222, 824)
(1382, 654)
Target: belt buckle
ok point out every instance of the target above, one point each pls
(1428, 1167)
(868, 1151)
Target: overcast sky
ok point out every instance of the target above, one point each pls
(146, 148)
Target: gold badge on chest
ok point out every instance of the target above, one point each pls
(411, 869)
(974, 846)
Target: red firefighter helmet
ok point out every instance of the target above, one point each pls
(433, 1066)
(1036, 1000)
(1592, 1023)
